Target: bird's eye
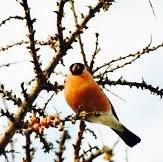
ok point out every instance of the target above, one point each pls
(77, 68)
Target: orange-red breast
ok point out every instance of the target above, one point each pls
(82, 93)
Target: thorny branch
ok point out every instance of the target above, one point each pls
(13, 45)
(61, 148)
(28, 150)
(7, 114)
(77, 145)
(91, 67)
(79, 36)
(82, 25)
(12, 17)
(36, 89)
(61, 44)
(60, 15)
(99, 152)
(72, 38)
(142, 85)
(48, 42)
(33, 49)
(134, 57)
(89, 151)
(8, 95)
(106, 151)
(47, 146)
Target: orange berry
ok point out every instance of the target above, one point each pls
(43, 121)
(57, 121)
(34, 119)
(50, 119)
(36, 127)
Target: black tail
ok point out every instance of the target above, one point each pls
(128, 137)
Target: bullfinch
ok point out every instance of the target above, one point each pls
(83, 94)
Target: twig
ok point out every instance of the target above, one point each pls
(13, 152)
(85, 153)
(13, 45)
(95, 155)
(122, 58)
(47, 102)
(12, 17)
(49, 42)
(36, 89)
(8, 95)
(71, 39)
(33, 49)
(152, 9)
(77, 145)
(94, 54)
(60, 15)
(61, 148)
(134, 57)
(82, 25)
(104, 86)
(12, 63)
(24, 92)
(19, 115)
(28, 149)
(92, 132)
(79, 36)
(47, 146)
(9, 115)
(143, 85)
(126, 154)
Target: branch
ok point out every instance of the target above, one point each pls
(28, 149)
(77, 145)
(82, 25)
(89, 151)
(37, 87)
(49, 42)
(13, 45)
(11, 63)
(12, 17)
(60, 15)
(71, 39)
(152, 9)
(79, 36)
(106, 151)
(95, 155)
(94, 54)
(134, 57)
(19, 116)
(142, 85)
(33, 49)
(7, 114)
(8, 95)
(47, 102)
(61, 148)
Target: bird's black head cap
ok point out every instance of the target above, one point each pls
(77, 68)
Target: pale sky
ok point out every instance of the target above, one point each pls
(126, 28)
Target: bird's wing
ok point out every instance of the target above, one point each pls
(113, 111)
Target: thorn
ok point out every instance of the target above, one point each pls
(152, 9)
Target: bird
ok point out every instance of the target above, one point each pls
(83, 94)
